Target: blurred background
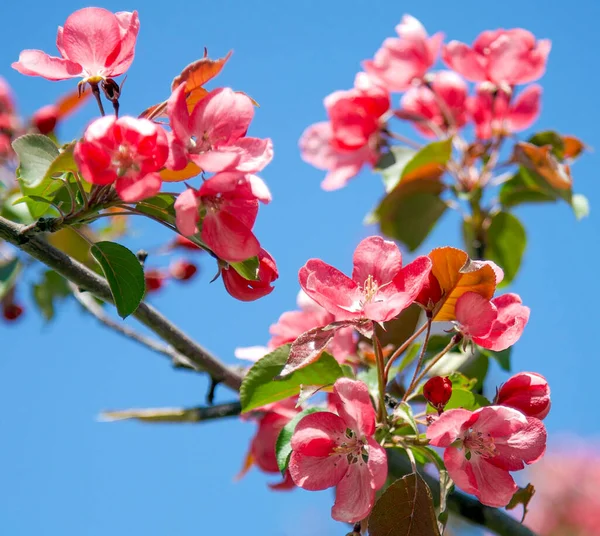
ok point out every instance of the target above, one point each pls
(64, 472)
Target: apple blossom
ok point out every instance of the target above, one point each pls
(95, 44)
(403, 60)
(128, 152)
(503, 57)
(339, 450)
(250, 290)
(528, 392)
(484, 445)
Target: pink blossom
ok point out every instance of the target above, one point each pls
(128, 152)
(495, 324)
(230, 200)
(493, 112)
(95, 44)
(528, 392)
(504, 57)
(339, 450)
(401, 61)
(484, 445)
(380, 287)
(214, 135)
(250, 290)
(318, 148)
(355, 114)
(441, 102)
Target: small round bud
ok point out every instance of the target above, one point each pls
(154, 280)
(528, 392)
(12, 311)
(182, 270)
(45, 119)
(437, 391)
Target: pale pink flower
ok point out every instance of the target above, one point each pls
(339, 450)
(213, 136)
(504, 57)
(95, 44)
(495, 324)
(484, 445)
(528, 392)
(380, 287)
(230, 200)
(493, 112)
(250, 289)
(441, 102)
(128, 152)
(318, 148)
(404, 60)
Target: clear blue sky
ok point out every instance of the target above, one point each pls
(64, 473)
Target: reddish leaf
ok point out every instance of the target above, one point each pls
(70, 102)
(542, 161)
(189, 171)
(573, 146)
(197, 73)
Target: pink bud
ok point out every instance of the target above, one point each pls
(247, 290)
(182, 270)
(12, 311)
(528, 392)
(437, 391)
(45, 119)
(154, 280)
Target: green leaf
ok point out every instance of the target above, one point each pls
(8, 275)
(283, 447)
(404, 509)
(161, 206)
(506, 244)
(370, 378)
(410, 355)
(503, 357)
(523, 188)
(63, 163)
(410, 211)
(461, 381)
(259, 388)
(404, 413)
(522, 496)
(580, 205)
(124, 274)
(476, 367)
(248, 269)
(52, 287)
(392, 164)
(33, 196)
(461, 398)
(36, 153)
(436, 154)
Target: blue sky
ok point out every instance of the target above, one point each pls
(62, 472)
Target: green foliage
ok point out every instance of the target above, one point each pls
(522, 496)
(404, 509)
(248, 269)
(36, 154)
(283, 447)
(259, 387)
(51, 288)
(124, 274)
(463, 398)
(161, 206)
(503, 357)
(391, 165)
(8, 275)
(506, 241)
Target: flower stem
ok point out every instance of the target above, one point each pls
(400, 350)
(96, 92)
(381, 379)
(453, 342)
(413, 382)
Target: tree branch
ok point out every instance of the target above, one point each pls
(86, 279)
(175, 415)
(472, 510)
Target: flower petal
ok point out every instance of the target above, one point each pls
(525, 109)
(381, 259)
(475, 314)
(38, 63)
(448, 427)
(228, 237)
(186, 212)
(377, 464)
(354, 406)
(314, 474)
(354, 495)
(317, 434)
(135, 189)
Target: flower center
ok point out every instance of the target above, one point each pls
(370, 288)
(124, 160)
(353, 448)
(479, 443)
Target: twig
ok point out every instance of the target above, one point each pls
(175, 415)
(86, 279)
(91, 306)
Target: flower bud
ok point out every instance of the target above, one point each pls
(437, 391)
(528, 392)
(182, 270)
(182, 242)
(154, 280)
(12, 311)
(247, 290)
(45, 119)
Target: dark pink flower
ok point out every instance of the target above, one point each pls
(94, 44)
(495, 324)
(441, 102)
(214, 135)
(250, 290)
(339, 450)
(380, 287)
(528, 392)
(494, 113)
(437, 391)
(400, 61)
(484, 445)
(230, 201)
(318, 148)
(504, 57)
(128, 152)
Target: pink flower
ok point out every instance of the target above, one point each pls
(493, 113)
(484, 445)
(504, 57)
(355, 114)
(400, 61)
(339, 450)
(442, 103)
(528, 392)
(94, 44)
(380, 287)
(214, 135)
(318, 148)
(126, 151)
(230, 200)
(250, 290)
(495, 324)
